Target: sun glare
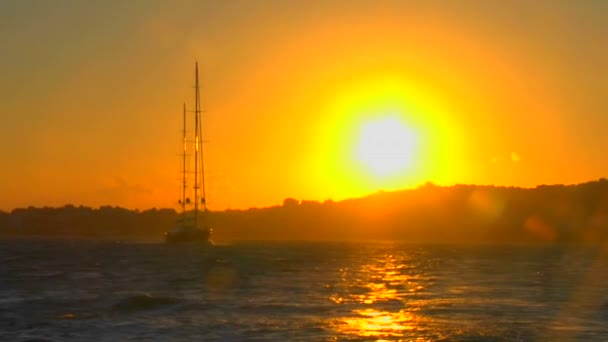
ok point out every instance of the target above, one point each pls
(383, 133)
(385, 146)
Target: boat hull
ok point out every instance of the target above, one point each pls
(189, 235)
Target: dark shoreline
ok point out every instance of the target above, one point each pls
(547, 214)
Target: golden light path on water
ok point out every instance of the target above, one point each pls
(382, 288)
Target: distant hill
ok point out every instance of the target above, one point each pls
(460, 213)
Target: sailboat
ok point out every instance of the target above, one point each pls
(193, 226)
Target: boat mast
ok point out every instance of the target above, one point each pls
(184, 167)
(200, 131)
(196, 142)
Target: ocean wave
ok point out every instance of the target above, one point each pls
(144, 302)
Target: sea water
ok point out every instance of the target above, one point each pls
(78, 290)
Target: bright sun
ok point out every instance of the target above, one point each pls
(385, 146)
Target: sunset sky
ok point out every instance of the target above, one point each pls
(306, 99)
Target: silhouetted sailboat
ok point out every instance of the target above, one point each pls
(193, 226)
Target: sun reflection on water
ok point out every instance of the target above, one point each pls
(377, 295)
(372, 322)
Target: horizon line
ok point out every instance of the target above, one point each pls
(417, 187)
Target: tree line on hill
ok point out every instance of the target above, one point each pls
(460, 213)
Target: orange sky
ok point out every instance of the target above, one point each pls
(507, 93)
